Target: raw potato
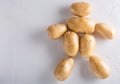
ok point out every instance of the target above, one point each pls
(105, 30)
(56, 31)
(81, 8)
(87, 45)
(71, 43)
(64, 68)
(99, 67)
(81, 25)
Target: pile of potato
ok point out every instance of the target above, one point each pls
(85, 43)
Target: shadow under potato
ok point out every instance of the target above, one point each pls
(86, 72)
(55, 51)
(53, 47)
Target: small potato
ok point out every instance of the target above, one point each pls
(81, 8)
(56, 31)
(99, 67)
(71, 43)
(81, 25)
(105, 30)
(87, 45)
(64, 68)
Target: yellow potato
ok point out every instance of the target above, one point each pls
(71, 43)
(99, 67)
(105, 30)
(81, 25)
(81, 8)
(87, 45)
(64, 68)
(56, 31)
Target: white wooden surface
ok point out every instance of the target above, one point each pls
(28, 56)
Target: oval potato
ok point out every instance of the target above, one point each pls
(87, 45)
(81, 25)
(71, 43)
(56, 31)
(64, 68)
(105, 30)
(81, 8)
(99, 67)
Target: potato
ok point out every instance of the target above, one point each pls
(87, 45)
(56, 31)
(64, 68)
(81, 25)
(99, 67)
(105, 30)
(71, 43)
(81, 8)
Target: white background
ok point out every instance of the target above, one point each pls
(28, 56)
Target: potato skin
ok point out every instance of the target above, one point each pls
(71, 43)
(81, 8)
(99, 67)
(81, 25)
(105, 30)
(64, 69)
(56, 31)
(87, 45)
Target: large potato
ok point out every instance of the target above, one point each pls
(56, 31)
(71, 43)
(81, 25)
(64, 68)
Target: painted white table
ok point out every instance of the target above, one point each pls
(28, 56)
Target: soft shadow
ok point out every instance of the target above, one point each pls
(41, 37)
(86, 71)
(64, 14)
(53, 48)
(47, 78)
